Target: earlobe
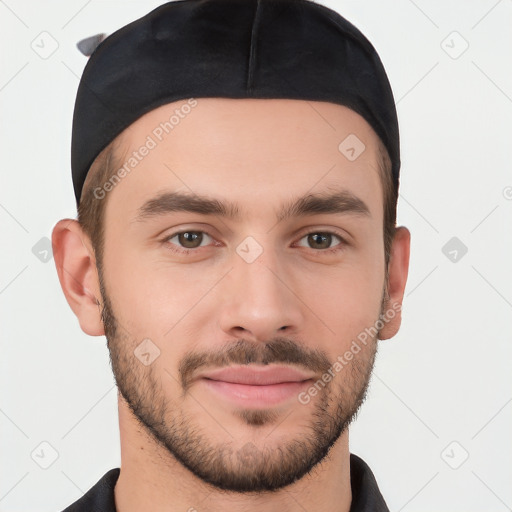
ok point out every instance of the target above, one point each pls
(76, 267)
(397, 279)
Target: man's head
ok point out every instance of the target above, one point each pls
(248, 236)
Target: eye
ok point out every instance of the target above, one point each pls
(187, 240)
(322, 240)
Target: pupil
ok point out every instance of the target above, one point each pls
(190, 239)
(319, 238)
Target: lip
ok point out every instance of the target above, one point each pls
(256, 386)
(258, 375)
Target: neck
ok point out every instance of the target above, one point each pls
(151, 478)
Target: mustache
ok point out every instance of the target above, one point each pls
(278, 350)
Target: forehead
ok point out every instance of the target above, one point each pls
(259, 151)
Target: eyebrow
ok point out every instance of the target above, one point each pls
(337, 202)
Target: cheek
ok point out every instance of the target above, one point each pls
(154, 298)
(135, 292)
(346, 299)
(347, 303)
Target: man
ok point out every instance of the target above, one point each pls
(235, 165)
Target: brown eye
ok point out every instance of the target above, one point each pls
(320, 240)
(188, 239)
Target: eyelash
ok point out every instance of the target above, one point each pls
(185, 251)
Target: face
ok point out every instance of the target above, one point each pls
(241, 319)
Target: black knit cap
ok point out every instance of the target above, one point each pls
(294, 49)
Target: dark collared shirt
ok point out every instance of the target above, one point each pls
(366, 496)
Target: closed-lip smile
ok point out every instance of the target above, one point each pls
(256, 385)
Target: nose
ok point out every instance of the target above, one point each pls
(258, 301)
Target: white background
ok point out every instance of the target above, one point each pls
(444, 378)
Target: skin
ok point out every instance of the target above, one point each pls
(307, 301)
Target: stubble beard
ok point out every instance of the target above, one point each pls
(237, 465)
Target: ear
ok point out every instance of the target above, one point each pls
(76, 266)
(398, 268)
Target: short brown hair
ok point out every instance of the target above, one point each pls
(91, 209)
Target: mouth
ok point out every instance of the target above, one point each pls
(256, 386)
